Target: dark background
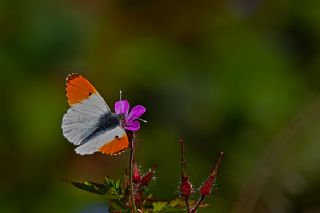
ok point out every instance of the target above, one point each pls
(239, 76)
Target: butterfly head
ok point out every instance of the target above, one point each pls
(129, 118)
(121, 118)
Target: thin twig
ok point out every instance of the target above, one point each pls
(131, 161)
(187, 204)
(194, 209)
(216, 167)
(183, 162)
(184, 173)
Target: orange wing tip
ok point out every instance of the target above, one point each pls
(71, 76)
(115, 147)
(78, 88)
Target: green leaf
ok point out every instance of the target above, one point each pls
(112, 188)
(176, 202)
(118, 206)
(176, 205)
(117, 185)
(159, 206)
(89, 186)
(108, 181)
(173, 210)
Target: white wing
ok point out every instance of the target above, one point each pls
(97, 142)
(81, 119)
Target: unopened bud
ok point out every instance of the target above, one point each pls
(185, 187)
(146, 179)
(136, 178)
(206, 188)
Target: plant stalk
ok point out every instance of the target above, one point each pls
(131, 161)
(187, 204)
(194, 209)
(183, 162)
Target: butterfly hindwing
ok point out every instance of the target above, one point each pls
(117, 142)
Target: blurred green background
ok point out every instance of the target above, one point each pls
(239, 76)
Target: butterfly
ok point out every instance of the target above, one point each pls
(89, 123)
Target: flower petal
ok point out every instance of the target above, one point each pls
(122, 107)
(133, 125)
(135, 113)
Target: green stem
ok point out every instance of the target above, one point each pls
(131, 161)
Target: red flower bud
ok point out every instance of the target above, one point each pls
(185, 187)
(146, 179)
(206, 188)
(136, 178)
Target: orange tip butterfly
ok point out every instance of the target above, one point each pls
(89, 123)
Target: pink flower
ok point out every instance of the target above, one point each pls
(131, 118)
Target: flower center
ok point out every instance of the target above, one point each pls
(122, 119)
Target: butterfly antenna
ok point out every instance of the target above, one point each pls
(142, 120)
(120, 95)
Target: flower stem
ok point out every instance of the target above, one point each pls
(131, 161)
(183, 162)
(194, 209)
(186, 200)
(185, 187)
